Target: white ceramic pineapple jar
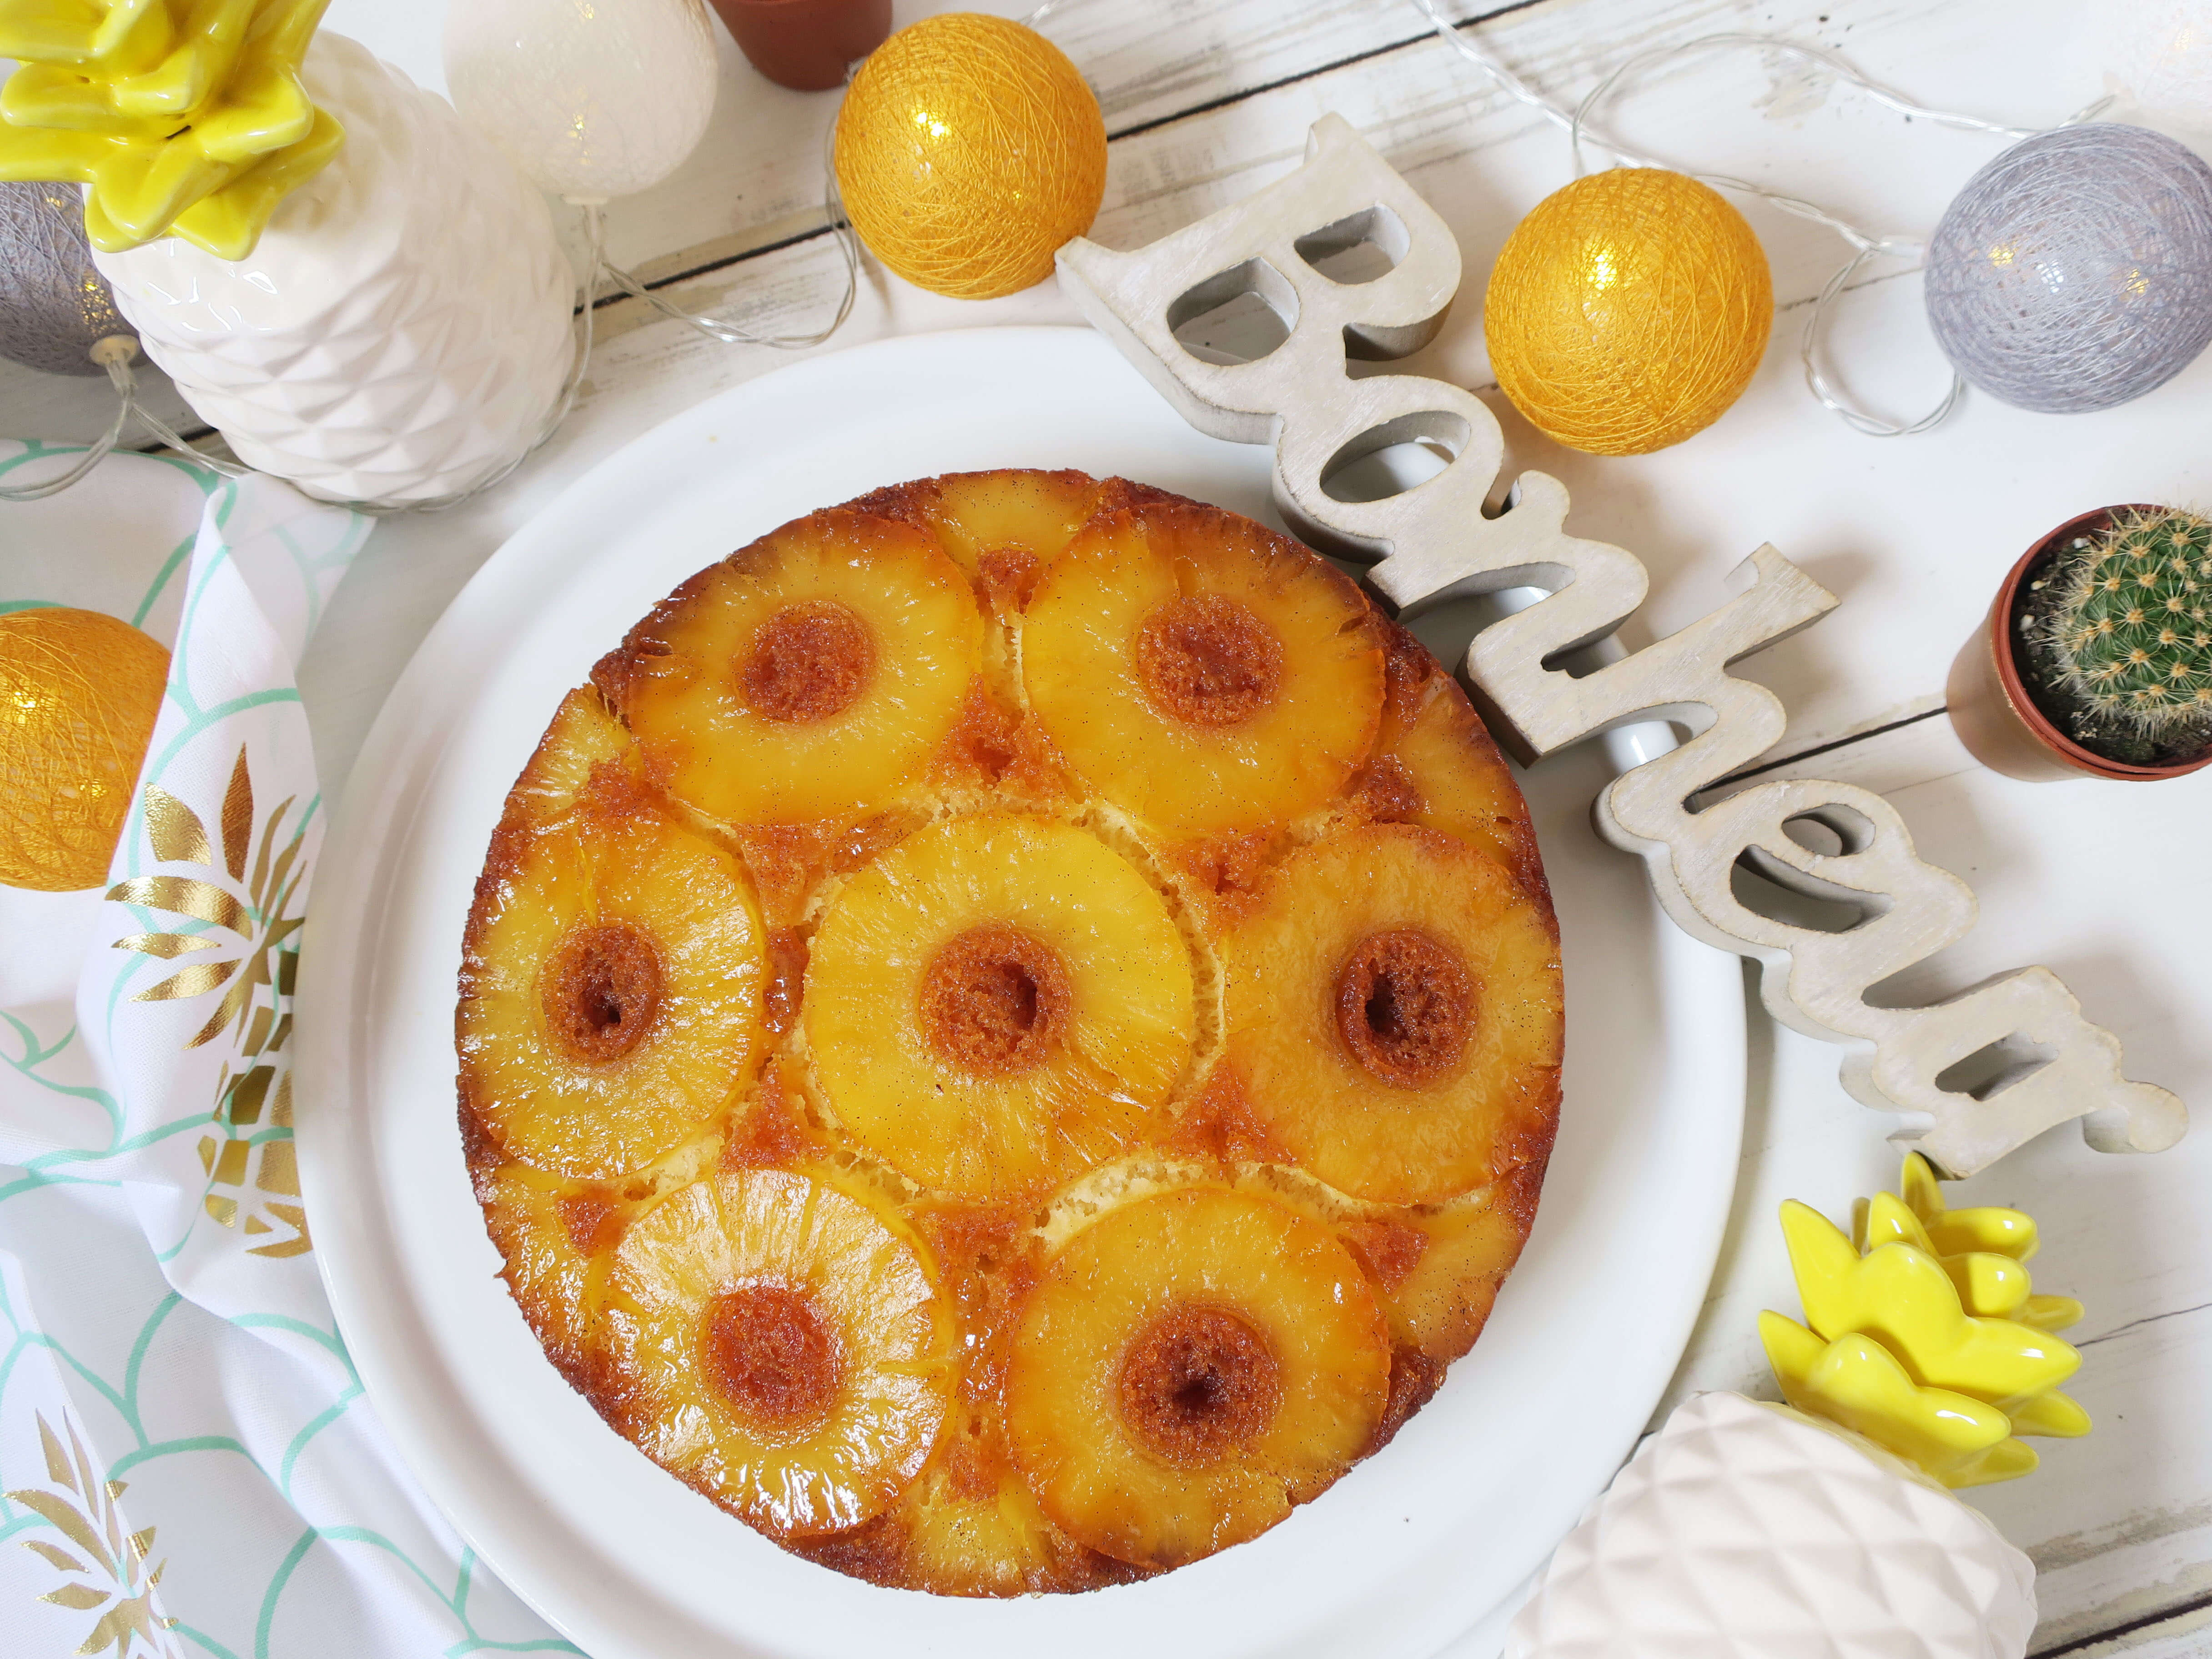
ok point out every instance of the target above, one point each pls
(1742, 1530)
(404, 330)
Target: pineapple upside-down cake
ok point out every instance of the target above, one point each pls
(1011, 1033)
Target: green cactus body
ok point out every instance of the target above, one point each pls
(2133, 623)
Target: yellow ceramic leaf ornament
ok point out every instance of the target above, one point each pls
(1925, 1334)
(186, 117)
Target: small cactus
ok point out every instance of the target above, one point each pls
(2132, 624)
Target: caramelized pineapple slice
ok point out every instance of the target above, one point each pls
(552, 1238)
(1192, 1365)
(1440, 1304)
(949, 1540)
(776, 1341)
(813, 675)
(612, 984)
(1436, 766)
(584, 735)
(1393, 1015)
(997, 1003)
(1200, 673)
(1001, 527)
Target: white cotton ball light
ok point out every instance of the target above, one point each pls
(593, 98)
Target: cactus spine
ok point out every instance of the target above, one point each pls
(2134, 623)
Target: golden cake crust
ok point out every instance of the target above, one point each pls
(1011, 1033)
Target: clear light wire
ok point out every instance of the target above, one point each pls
(1864, 244)
(841, 229)
(113, 353)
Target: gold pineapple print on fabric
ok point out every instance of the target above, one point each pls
(106, 1567)
(1010, 1034)
(253, 1156)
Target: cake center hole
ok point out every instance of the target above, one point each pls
(1207, 661)
(993, 1000)
(1199, 1382)
(771, 1355)
(808, 662)
(600, 990)
(1405, 1007)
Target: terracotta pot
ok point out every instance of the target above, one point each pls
(1990, 708)
(805, 44)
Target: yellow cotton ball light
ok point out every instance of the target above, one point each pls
(1628, 310)
(968, 150)
(79, 691)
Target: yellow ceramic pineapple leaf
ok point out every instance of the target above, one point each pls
(1901, 1297)
(1853, 1381)
(2056, 1415)
(1954, 1232)
(196, 112)
(2051, 1313)
(207, 44)
(1991, 1287)
(229, 223)
(81, 31)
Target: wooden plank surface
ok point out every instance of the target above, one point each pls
(1206, 101)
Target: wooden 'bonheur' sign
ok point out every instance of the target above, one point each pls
(1433, 542)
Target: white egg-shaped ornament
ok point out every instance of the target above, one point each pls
(592, 101)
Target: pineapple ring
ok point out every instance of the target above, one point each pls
(1199, 672)
(778, 1343)
(1393, 1014)
(812, 674)
(611, 987)
(1189, 1367)
(997, 1003)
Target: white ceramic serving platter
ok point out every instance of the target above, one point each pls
(1404, 1556)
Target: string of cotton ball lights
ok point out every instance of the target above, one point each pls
(2128, 349)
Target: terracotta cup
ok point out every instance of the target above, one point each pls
(805, 44)
(1990, 708)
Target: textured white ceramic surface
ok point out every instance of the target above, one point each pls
(403, 329)
(1744, 1531)
(593, 101)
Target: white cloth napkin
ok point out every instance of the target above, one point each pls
(189, 1465)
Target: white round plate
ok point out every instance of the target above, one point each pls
(1403, 1555)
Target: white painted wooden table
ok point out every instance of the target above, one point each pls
(2108, 884)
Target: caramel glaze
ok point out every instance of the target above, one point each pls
(994, 1001)
(1198, 1384)
(1405, 1007)
(808, 662)
(600, 991)
(1207, 660)
(768, 1352)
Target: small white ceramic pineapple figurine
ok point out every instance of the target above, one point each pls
(403, 330)
(1825, 1528)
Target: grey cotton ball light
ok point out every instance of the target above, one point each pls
(54, 306)
(2074, 271)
